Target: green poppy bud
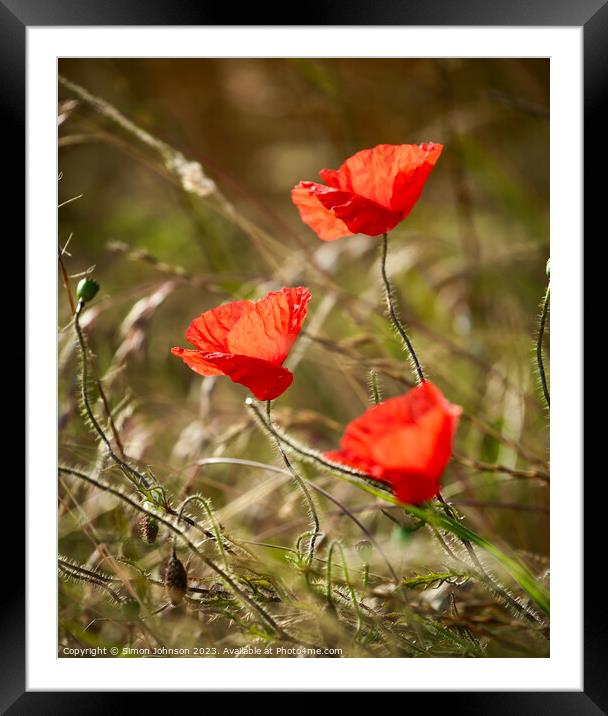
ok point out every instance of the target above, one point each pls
(87, 290)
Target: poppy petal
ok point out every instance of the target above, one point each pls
(196, 361)
(331, 177)
(390, 175)
(408, 486)
(264, 379)
(406, 432)
(409, 181)
(360, 215)
(269, 331)
(322, 221)
(405, 441)
(413, 488)
(208, 332)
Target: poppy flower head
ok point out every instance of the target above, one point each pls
(248, 341)
(372, 192)
(405, 442)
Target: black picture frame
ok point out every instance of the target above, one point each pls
(17, 15)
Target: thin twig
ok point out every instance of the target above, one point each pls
(66, 284)
(493, 467)
(69, 201)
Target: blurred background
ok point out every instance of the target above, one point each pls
(468, 267)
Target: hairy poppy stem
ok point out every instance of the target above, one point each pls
(255, 607)
(310, 454)
(398, 325)
(127, 470)
(376, 393)
(301, 484)
(539, 343)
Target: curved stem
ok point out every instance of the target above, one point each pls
(310, 454)
(128, 471)
(398, 325)
(301, 484)
(539, 344)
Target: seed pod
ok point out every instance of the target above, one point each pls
(176, 580)
(87, 289)
(147, 529)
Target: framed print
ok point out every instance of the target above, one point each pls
(298, 300)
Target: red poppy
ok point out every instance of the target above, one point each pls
(248, 341)
(370, 193)
(405, 442)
